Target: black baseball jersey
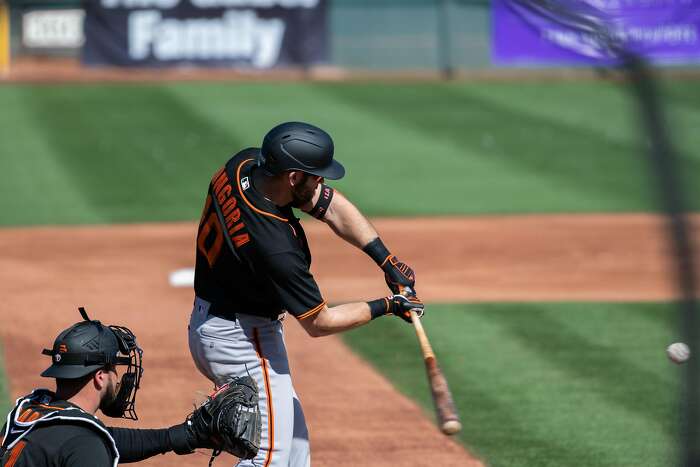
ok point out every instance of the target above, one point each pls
(252, 255)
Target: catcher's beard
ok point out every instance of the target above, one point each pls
(301, 193)
(109, 397)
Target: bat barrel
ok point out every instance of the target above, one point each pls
(448, 420)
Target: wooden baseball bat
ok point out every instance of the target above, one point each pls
(448, 419)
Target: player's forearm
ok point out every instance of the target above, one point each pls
(348, 222)
(135, 445)
(337, 319)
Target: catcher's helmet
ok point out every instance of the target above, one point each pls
(89, 346)
(299, 146)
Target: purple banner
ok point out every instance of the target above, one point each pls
(530, 32)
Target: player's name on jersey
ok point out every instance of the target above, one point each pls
(229, 208)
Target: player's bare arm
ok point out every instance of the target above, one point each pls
(337, 319)
(343, 217)
(350, 315)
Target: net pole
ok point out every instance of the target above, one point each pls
(444, 43)
(666, 167)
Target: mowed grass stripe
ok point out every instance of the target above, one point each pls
(33, 184)
(134, 153)
(377, 152)
(545, 385)
(583, 169)
(608, 110)
(603, 108)
(121, 153)
(560, 344)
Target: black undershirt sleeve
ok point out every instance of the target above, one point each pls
(135, 445)
(86, 451)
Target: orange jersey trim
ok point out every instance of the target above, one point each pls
(268, 392)
(14, 454)
(51, 407)
(312, 311)
(24, 415)
(240, 190)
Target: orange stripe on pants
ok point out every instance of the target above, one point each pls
(268, 392)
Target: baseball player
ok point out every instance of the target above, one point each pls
(252, 269)
(60, 429)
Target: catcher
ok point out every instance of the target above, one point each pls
(60, 429)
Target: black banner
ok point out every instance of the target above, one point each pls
(243, 33)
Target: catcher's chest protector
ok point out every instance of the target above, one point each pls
(40, 409)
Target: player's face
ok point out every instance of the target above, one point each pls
(112, 388)
(303, 191)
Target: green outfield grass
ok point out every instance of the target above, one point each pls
(125, 153)
(4, 391)
(546, 385)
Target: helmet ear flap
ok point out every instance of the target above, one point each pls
(268, 163)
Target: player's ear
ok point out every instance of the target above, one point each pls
(101, 377)
(295, 177)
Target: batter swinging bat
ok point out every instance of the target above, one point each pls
(444, 405)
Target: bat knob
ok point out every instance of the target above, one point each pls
(451, 427)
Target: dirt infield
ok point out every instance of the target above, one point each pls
(120, 275)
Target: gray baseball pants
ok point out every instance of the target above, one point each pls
(253, 345)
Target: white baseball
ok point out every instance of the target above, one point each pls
(678, 352)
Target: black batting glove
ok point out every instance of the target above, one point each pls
(399, 305)
(398, 275)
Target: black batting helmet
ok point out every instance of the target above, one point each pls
(299, 146)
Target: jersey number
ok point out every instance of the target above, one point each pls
(206, 228)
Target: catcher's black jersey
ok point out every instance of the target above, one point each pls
(252, 255)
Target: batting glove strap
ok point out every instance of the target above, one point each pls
(379, 307)
(402, 305)
(398, 305)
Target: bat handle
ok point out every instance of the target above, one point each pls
(425, 346)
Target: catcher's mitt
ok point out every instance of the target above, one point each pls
(229, 420)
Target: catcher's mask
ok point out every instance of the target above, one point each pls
(89, 346)
(299, 146)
